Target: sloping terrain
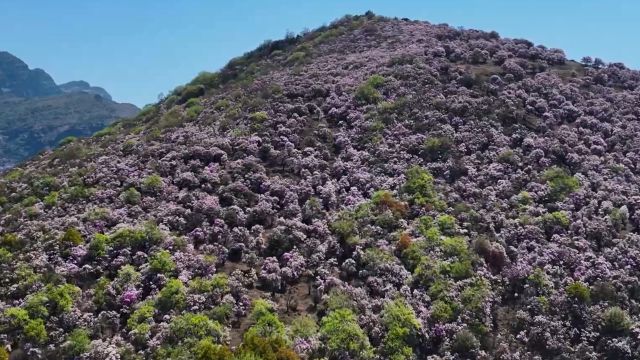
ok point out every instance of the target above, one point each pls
(36, 114)
(18, 80)
(377, 188)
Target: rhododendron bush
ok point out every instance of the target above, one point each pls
(374, 189)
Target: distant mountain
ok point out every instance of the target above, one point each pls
(83, 86)
(17, 79)
(36, 114)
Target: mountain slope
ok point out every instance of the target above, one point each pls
(17, 79)
(389, 189)
(36, 114)
(84, 87)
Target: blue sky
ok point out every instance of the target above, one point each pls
(138, 49)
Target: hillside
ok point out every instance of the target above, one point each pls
(17, 79)
(36, 114)
(373, 189)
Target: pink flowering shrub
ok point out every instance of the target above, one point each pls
(394, 188)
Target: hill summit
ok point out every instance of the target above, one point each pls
(374, 189)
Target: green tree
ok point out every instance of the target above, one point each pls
(343, 336)
(72, 236)
(402, 330)
(61, 297)
(419, 185)
(615, 321)
(152, 184)
(98, 246)
(560, 183)
(579, 291)
(78, 342)
(195, 326)
(131, 196)
(162, 263)
(207, 349)
(35, 331)
(172, 296)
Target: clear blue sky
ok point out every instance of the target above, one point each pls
(139, 48)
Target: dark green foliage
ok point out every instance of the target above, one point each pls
(207, 79)
(36, 305)
(161, 263)
(193, 108)
(141, 316)
(172, 296)
(171, 118)
(343, 335)
(538, 279)
(304, 327)
(35, 331)
(98, 246)
(368, 93)
(109, 130)
(190, 92)
(78, 192)
(464, 342)
(221, 313)
(29, 201)
(266, 338)
(419, 186)
(338, 299)
(131, 196)
(219, 283)
(374, 258)
(579, 291)
(51, 199)
(67, 140)
(473, 297)
(44, 185)
(456, 247)
(412, 255)
(77, 342)
(152, 184)
(266, 323)
(345, 228)
(442, 311)
(402, 330)
(507, 157)
(296, 57)
(61, 297)
(72, 237)
(615, 321)
(137, 238)
(259, 116)
(5, 256)
(100, 292)
(195, 326)
(560, 183)
(446, 224)
(222, 104)
(459, 270)
(207, 349)
(554, 222)
(438, 148)
(11, 241)
(618, 220)
(604, 291)
(17, 317)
